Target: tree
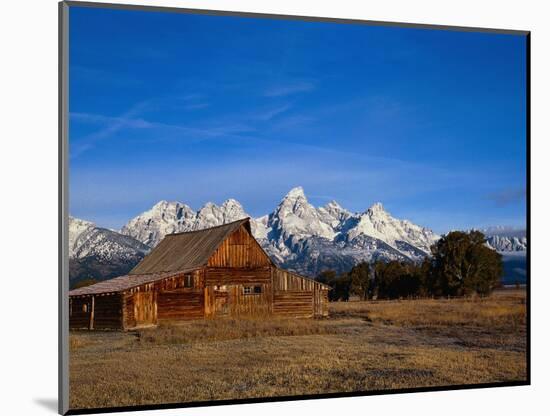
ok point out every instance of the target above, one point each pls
(342, 286)
(360, 280)
(326, 277)
(396, 279)
(462, 264)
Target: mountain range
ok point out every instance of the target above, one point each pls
(297, 236)
(100, 254)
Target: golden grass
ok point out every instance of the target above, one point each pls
(226, 329)
(362, 346)
(498, 310)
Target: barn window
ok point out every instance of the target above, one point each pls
(188, 281)
(250, 290)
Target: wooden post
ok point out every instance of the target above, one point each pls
(92, 313)
(123, 312)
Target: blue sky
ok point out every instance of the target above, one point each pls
(203, 108)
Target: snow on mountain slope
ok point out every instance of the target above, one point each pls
(100, 253)
(163, 218)
(211, 214)
(334, 215)
(296, 218)
(76, 228)
(378, 223)
(507, 244)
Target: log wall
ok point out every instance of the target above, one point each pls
(234, 276)
(286, 289)
(293, 303)
(108, 311)
(180, 304)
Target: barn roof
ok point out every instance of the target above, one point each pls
(186, 250)
(122, 283)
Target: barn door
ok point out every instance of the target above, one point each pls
(145, 310)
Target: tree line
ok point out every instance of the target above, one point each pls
(460, 264)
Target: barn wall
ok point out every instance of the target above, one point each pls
(168, 298)
(129, 319)
(293, 303)
(108, 311)
(233, 276)
(294, 294)
(239, 250)
(231, 300)
(180, 304)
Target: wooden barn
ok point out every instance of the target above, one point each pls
(217, 272)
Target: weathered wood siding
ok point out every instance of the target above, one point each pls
(292, 294)
(231, 300)
(166, 299)
(180, 304)
(239, 250)
(129, 319)
(293, 303)
(108, 311)
(233, 276)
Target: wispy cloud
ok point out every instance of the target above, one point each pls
(271, 113)
(136, 123)
(288, 89)
(508, 196)
(110, 126)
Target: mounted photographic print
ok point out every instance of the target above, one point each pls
(261, 208)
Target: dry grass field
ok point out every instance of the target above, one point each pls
(362, 346)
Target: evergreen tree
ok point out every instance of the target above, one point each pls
(360, 280)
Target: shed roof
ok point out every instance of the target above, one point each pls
(186, 250)
(122, 283)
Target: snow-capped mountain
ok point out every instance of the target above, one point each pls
(507, 244)
(296, 234)
(511, 243)
(504, 231)
(309, 239)
(100, 253)
(165, 218)
(506, 239)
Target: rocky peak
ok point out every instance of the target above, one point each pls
(376, 209)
